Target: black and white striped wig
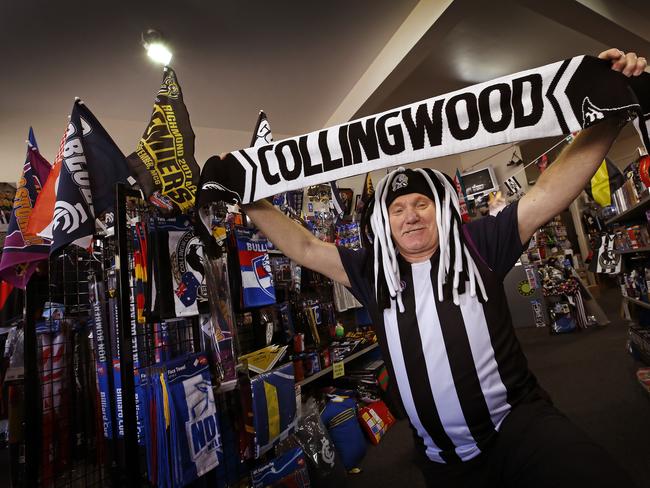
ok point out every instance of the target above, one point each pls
(456, 263)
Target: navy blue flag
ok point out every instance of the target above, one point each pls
(106, 163)
(31, 140)
(73, 221)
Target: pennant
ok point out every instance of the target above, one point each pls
(607, 179)
(40, 221)
(163, 161)
(31, 139)
(367, 192)
(336, 202)
(262, 134)
(513, 186)
(73, 221)
(22, 252)
(552, 100)
(105, 162)
(460, 189)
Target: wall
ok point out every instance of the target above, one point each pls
(497, 156)
(125, 133)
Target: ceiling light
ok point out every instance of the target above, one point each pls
(157, 50)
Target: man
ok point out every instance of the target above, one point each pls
(435, 293)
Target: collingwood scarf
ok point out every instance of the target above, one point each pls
(553, 100)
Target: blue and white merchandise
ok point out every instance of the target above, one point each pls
(256, 276)
(194, 434)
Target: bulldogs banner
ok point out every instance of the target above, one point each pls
(164, 161)
(256, 277)
(552, 100)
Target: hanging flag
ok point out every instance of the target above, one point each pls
(607, 179)
(462, 203)
(73, 221)
(40, 221)
(163, 162)
(105, 162)
(513, 185)
(22, 252)
(367, 191)
(31, 139)
(262, 134)
(336, 202)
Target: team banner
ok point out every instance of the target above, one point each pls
(556, 99)
(22, 251)
(106, 163)
(40, 220)
(164, 162)
(73, 221)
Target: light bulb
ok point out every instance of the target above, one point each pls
(159, 53)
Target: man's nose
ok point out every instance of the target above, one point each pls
(412, 215)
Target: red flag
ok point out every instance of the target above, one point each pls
(41, 218)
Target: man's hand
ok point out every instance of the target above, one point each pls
(563, 181)
(220, 181)
(629, 64)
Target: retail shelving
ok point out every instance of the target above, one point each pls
(637, 302)
(635, 212)
(324, 371)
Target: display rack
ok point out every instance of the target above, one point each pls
(349, 358)
(635, 212)
(64, 445)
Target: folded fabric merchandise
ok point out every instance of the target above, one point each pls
(340, 418)
(289, 470)
(274, 407)
(194, 434)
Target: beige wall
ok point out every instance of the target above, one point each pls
(497, 156)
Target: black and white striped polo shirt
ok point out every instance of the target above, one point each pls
(456, 370)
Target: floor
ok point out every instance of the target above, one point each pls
(590, 377)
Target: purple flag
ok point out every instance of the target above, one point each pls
(21, 251)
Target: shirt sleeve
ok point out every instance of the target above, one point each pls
(357, 264)
(496, 239)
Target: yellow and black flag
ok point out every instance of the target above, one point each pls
(604, 183)
(164, 162)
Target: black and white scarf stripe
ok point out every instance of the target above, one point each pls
(552, 100)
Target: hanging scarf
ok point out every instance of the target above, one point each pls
(553, 100)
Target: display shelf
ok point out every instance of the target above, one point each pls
(351, 357)
(631, 213)
(638, 302)
(631, 251)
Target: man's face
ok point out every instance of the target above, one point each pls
(412, 221)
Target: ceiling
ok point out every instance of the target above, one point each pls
(307, 64)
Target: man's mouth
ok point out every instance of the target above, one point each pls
(412, 230)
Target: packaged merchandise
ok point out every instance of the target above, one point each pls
(256, 276)
(288, 470)
(274, 407)
(193, 434)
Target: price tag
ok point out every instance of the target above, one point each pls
(338, 369)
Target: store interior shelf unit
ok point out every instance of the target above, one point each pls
(634, 212)
(631, 251)
(638, 302)
(324, 371)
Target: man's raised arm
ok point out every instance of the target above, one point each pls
(563, 181)
(296, 242)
